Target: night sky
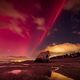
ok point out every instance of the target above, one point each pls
(25, 24)
(28, 25)
(65, 30)
(67, 26)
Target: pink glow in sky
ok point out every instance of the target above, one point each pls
(25, 23)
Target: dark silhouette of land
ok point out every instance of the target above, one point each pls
(68, 65)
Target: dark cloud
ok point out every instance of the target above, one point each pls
(72, 4)
(76, 32)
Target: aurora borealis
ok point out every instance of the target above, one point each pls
(24, 24)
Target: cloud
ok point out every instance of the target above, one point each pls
(72, 4)
(7, 9)
(13, 26)
(56, 29)
(38, 6)
(62, 49)
(76, 32)
(11, 19)
(40, 22)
